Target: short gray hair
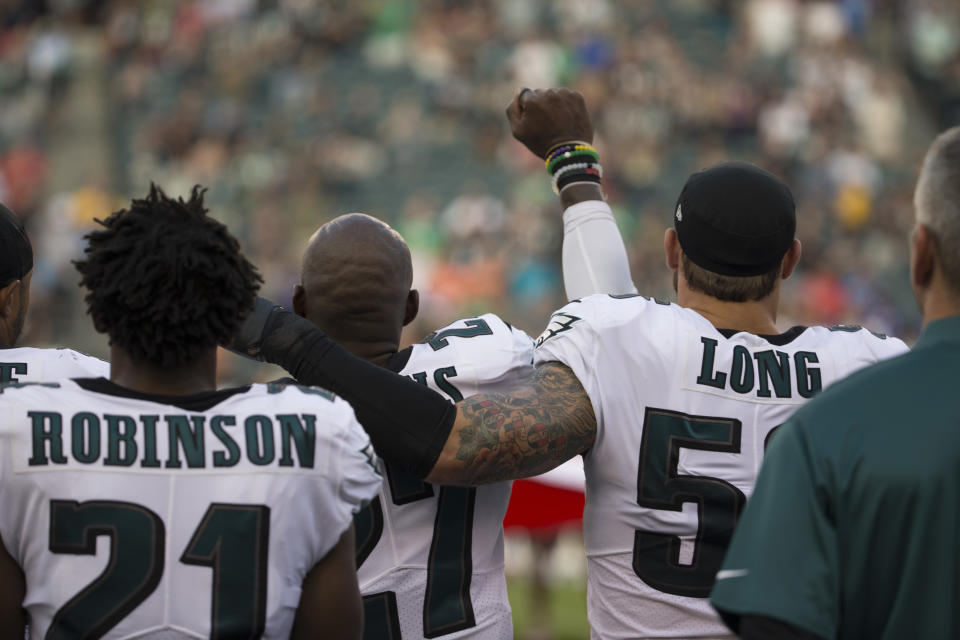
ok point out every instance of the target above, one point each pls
(937, 200)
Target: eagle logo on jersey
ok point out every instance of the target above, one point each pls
(371, 457)
(559, 322)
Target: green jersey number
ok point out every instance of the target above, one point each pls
(656, 556)
(133, 571)
(474, 328)
(446, 606)
(232, 539)
(9, 371)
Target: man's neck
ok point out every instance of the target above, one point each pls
(183, 380)
(757, 317)
(938, 307)
(8, 337)
(378, 353)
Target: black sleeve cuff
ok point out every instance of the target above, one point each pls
(408, 423)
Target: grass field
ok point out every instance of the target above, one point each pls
(567, 614)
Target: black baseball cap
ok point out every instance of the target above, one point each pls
(16, 254)
(735, 219)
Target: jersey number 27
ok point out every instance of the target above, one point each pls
(446, 605)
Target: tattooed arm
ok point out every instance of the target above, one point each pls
(533, 428)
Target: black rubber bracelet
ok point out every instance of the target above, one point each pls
(576, 177)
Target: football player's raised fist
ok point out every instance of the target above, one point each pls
(543, 118)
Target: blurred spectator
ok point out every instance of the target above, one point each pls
(293, 111)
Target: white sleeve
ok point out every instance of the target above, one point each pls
(594, 256)
(97, 368)
(357, 481)
(889, 347)
(875, 347)
(495, 362)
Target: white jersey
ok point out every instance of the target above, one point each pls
(431, 557)
(683, 412)
(149, 519)
(30, 364)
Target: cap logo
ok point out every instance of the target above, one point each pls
(679, 213)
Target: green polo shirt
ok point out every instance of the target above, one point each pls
(853, 530)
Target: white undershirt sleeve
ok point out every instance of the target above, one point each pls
(594, 256)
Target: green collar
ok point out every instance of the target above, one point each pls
(944, 331)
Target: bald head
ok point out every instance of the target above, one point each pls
(355, 280)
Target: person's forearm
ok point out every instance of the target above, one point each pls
(577, 193)
(523, 432)
(408, 423)
(594, 255)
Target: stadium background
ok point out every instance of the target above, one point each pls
(294, 111)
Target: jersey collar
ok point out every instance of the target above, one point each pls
(399, 360)
(777, 340)
(195, 402)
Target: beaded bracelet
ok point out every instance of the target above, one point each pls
(580, 167)
(568, 145)
(575, 153)
(573, 162)
(590, 169)
(572, 167)
(558, 151)
(560, 163)
(585, 169)
(576, 172)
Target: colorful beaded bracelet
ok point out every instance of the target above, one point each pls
(557, 151)
(586, 172)
(577, 153)
(565, 146)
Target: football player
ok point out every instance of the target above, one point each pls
(152, 504)
(671, 404)
(429, 557)
(25, 364)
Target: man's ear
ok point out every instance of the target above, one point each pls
(790, 259)
(300, 301)
(413, 307)
(98, 324)
(671, 248)
(9, 295)
(923, 257)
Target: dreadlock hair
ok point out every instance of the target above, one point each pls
(165, 281)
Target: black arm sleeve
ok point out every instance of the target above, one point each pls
(408, 423)
(763, 628)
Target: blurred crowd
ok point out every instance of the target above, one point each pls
(294, 111)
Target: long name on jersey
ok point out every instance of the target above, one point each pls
(684, 411)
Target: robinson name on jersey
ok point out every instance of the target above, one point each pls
(172, 441)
